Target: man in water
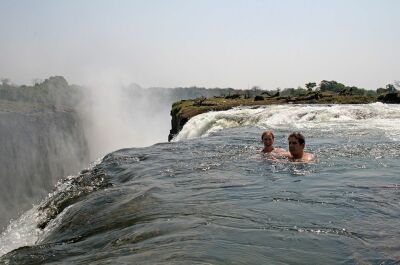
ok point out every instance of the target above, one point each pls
(296, 148)
(268, 139)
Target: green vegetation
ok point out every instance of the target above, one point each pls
(56, 90)
(327, 92)
(310, 86)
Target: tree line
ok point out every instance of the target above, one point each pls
(56, 90)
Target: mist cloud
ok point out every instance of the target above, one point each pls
(117, 115)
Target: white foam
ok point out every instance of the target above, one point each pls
(204, 124)
(24, 231)
(20, 232)
(376, 115)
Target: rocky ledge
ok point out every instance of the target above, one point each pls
(183, 110)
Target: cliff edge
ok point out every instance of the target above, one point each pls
(184, 110)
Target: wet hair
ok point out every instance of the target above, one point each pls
(267, 132)
(298, 136)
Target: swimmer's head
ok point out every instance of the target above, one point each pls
(300, 138)
(268, 139)
(267, 133)
(296, 144)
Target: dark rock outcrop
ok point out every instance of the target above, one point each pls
(177, 123)
(391, 98)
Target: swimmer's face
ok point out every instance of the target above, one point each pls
(294, 146)
(268, 140)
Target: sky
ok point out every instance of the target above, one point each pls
(206, 43)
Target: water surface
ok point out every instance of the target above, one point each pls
(210, 197)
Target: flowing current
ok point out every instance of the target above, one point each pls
(210, 197)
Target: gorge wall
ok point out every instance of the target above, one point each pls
(39, 145)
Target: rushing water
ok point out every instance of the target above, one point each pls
(210, 197)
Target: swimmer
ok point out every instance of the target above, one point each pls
(268, 140)
(296, 152)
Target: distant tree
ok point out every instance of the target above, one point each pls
(288, 91)
(370, 93)
(255, 90)
(381, 90)
(300, 91)
(356, 91)
(332, 86)
(56, 82)
(390, 88)
(311, 85)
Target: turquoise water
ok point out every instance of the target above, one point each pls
(212, 198)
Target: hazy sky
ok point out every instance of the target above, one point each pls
(216, 43)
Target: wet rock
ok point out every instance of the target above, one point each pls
(392, 98)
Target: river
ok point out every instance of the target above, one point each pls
(211, 197)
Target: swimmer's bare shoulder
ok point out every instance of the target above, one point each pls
(276, 154)
(307, 158)
(279, 151)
